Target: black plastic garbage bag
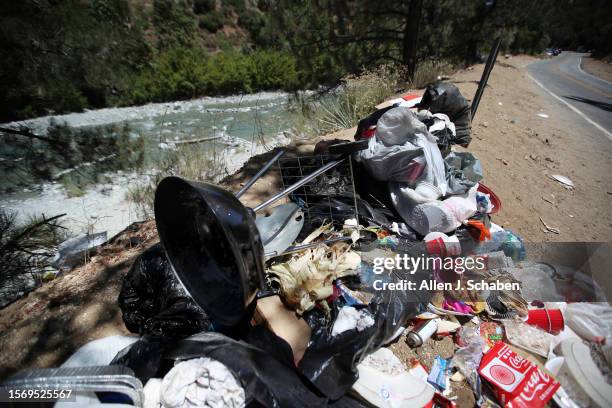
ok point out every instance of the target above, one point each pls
(144, 357)
(371, 120)
(153, 302)
(330, 363)
(267, 381)
(263, 363)
(443, 97)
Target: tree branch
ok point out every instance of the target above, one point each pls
(13, 241)
(27, 133)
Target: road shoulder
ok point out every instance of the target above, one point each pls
(598, 68)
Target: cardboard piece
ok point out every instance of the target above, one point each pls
(516, 381)
(285, 323)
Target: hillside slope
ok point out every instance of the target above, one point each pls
(517, 148)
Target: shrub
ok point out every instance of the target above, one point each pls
(212, 21)
(355, 98)
(203, 6)
(182, 73)
(193, 162)
(26, 253)
(428, 71)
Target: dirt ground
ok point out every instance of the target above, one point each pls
(597, 67)
(518, 150)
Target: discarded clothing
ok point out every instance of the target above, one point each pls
(201, 382)
(153, 302)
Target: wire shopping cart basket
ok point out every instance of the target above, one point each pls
(328, 198)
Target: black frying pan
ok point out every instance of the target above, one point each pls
(213, 244)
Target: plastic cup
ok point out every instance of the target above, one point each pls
(550, 320)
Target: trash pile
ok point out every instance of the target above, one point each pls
(292, 310)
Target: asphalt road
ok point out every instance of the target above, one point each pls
(590, 96)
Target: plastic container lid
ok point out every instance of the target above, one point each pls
(580, 367)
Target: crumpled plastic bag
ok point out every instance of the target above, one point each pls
(467, 359)
(404, 151)
(592, 322)
(398, 126)
(463, 171)
(153, 301)
(427, 214)
(444, 97)
(403, 163)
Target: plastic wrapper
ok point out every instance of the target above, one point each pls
(592, 322)
(398, 126)
(528, 337)
(427, 215)
(467, 359)
(153, 302)
(463, 171)
(330, 361)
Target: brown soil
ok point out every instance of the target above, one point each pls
(598, 67)
(518, 151)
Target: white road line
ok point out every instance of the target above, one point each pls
(592, 76)
(585, 117)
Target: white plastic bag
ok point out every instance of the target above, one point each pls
(404, 151)
(425, 214)
(591, 321)
(398, 126)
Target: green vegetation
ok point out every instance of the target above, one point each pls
(26, 252)
(193, 162)
(68, 55)
(76, 157)
(181, 73)
(357, 97)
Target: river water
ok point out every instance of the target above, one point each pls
(246, 125)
